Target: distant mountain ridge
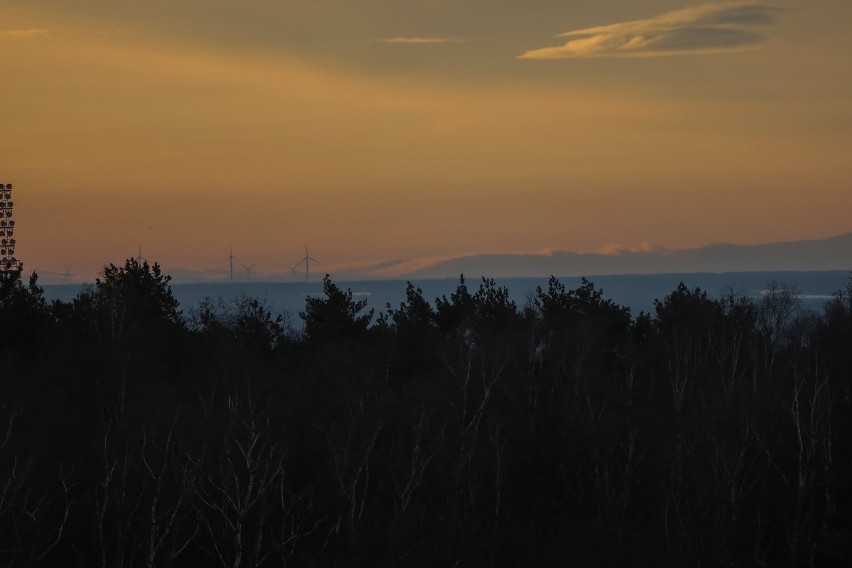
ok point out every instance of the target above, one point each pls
(833, 253)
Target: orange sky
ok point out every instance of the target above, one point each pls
(377, 131)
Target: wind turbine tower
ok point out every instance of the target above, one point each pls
(139, 258)
(248, 272)
(231, 261)
(307, 260)
(8, 263)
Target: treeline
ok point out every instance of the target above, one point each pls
(464, 431)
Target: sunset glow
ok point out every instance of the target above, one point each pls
(378, 132)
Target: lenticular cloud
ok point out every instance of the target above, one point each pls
(709, 28)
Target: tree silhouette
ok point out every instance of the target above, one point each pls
(415, 314)
(458, 311)
(336, 316)
(466, 435)
(23, 313)
(131, 301)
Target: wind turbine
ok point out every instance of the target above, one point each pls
(293, 271)
(307, 260)
(231, 261)
(248, 271)
(139, 258)
(66, 278)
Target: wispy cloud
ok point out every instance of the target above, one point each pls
(23, 34)
(709, 28)
(618, 248)
(387, 269)
(423, 40)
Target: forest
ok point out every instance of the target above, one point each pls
(456, 431)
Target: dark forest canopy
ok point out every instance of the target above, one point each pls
(464, 430)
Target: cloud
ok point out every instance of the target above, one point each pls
(23, 34)
(387, 269)
(618, 248)
(423, 40)
(709, 28)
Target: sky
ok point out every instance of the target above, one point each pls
(388, 133)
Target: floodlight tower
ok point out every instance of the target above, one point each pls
(8, 263)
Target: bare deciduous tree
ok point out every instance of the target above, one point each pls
(169, 482)
(235, 485)
(351, 446)
(33, 518)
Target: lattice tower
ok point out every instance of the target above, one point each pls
(8, 262)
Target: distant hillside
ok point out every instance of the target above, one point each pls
(834, 253)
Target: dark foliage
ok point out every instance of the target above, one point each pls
(336, 316)
(464, 432)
